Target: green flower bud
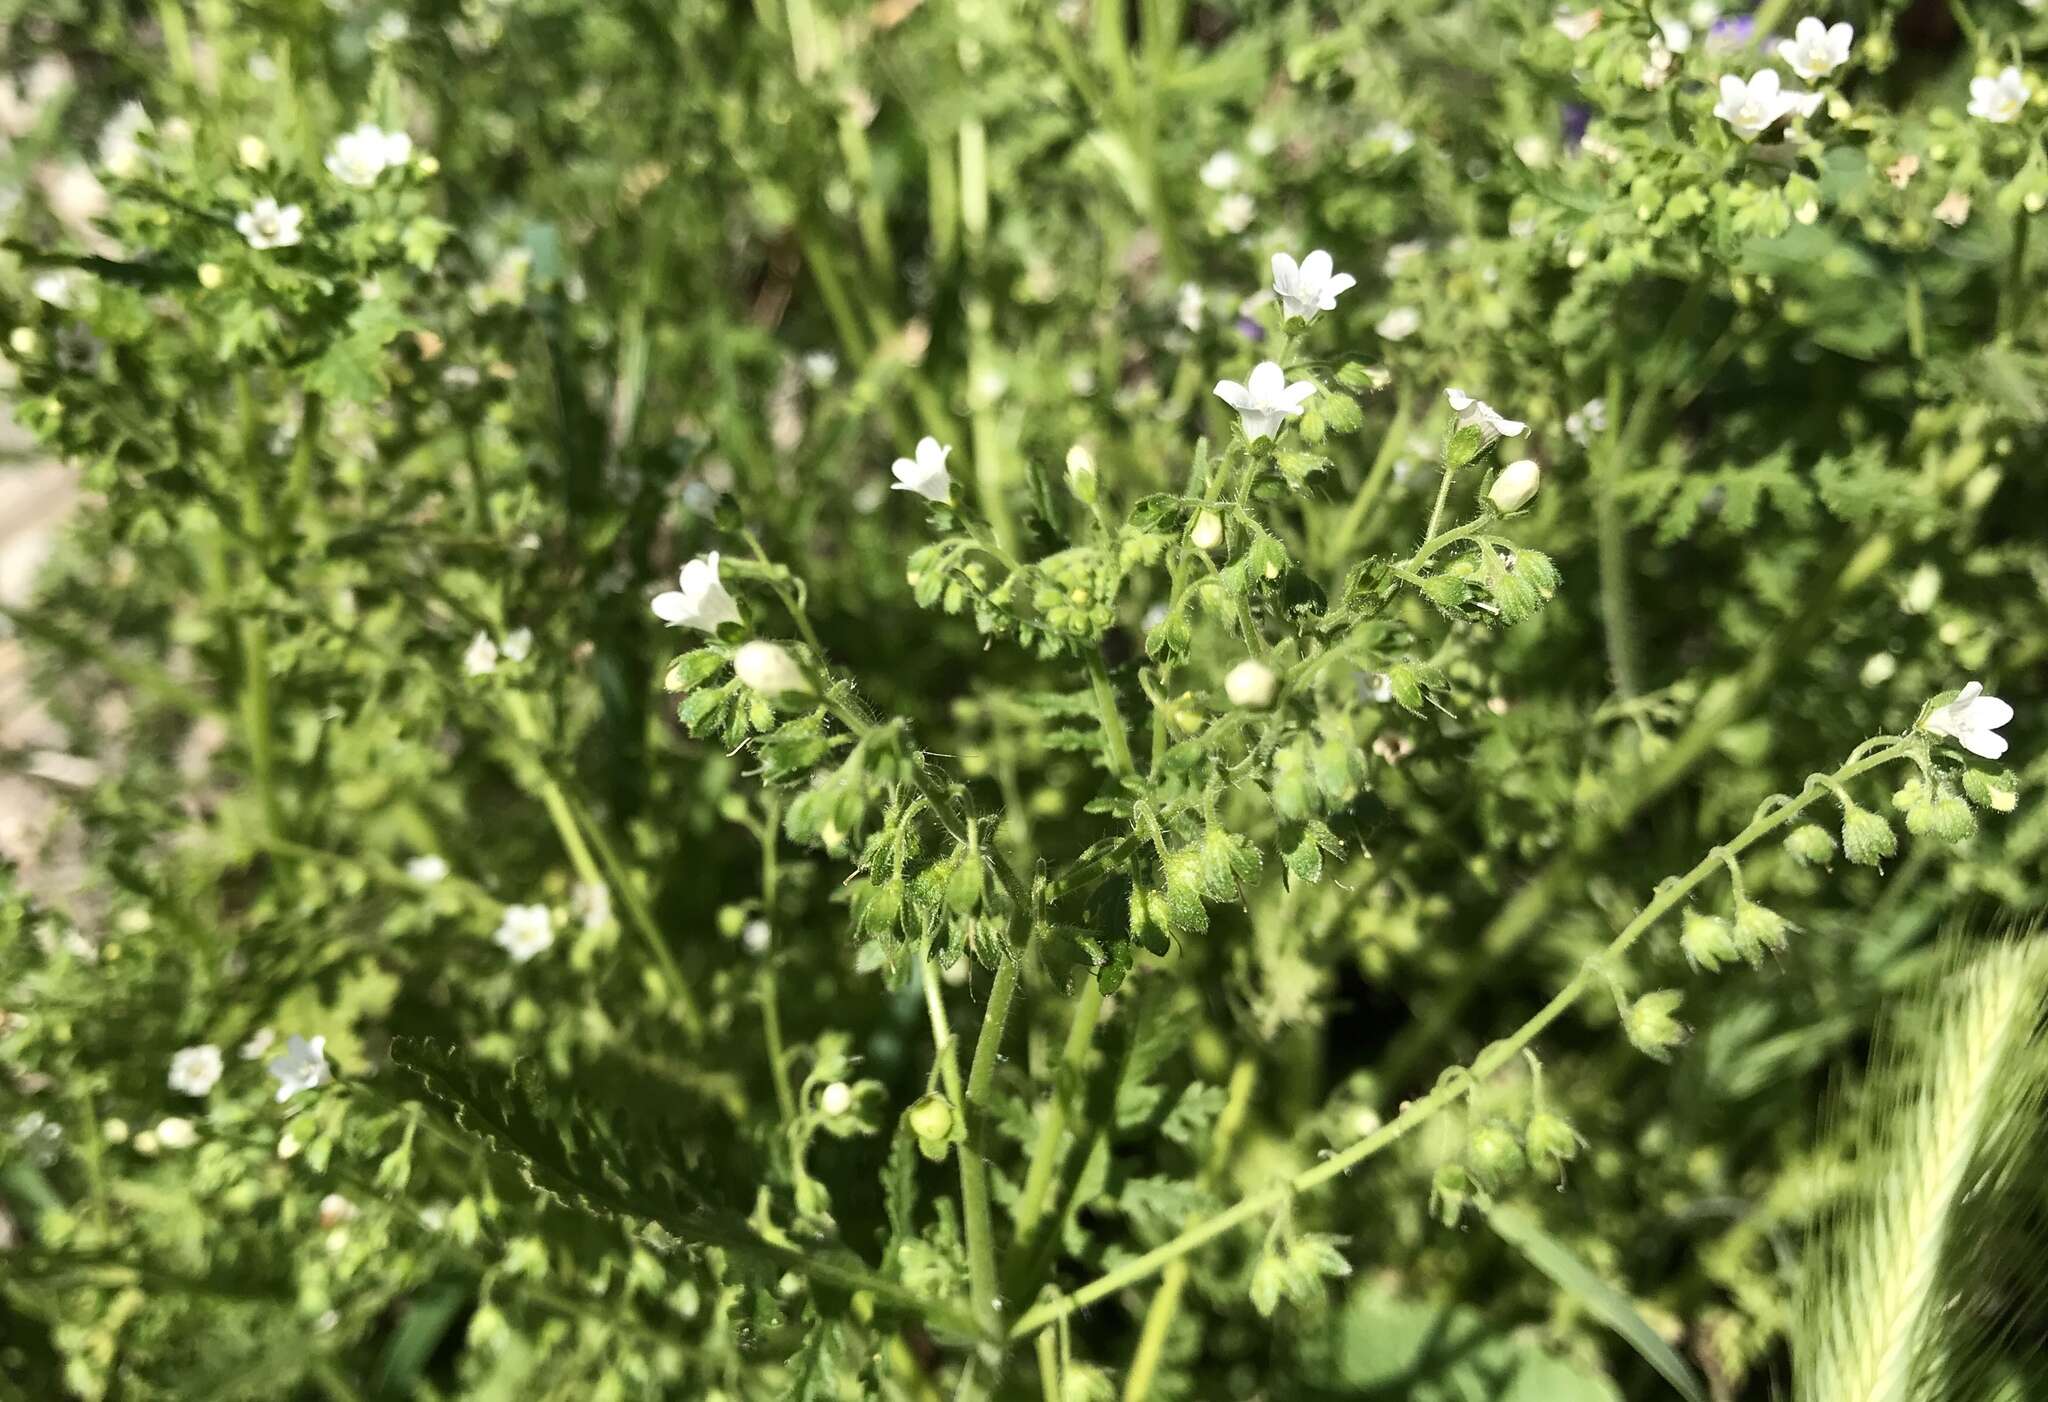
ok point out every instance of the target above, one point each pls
(1552, 1142)
(1494, 1155)
(1449, 1190)
(1651, 1026)
(1999, 792)
(1758, 928)
(1811, 845)
(1708, 941)
(1867, 839)
(931, 1119)
(1950, 818)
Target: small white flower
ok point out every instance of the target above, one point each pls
(1400, 255)
(1310, 286)
(120, 144)
(258, 1043)
(1222, 171)
(1398, 139)
(925, 473)
(302, 1067)
(1999, 99)
(1251, 685)
(1954, 209)
(1586, 421)
(1189, 306)
(266, 225)
(195, 1070)
(1517, 482)
(1477, 411)
(335, 1210)
(1674, 34)
(428, 869)
(836, 1098)
(1750, 107)
(1815, 49)
(699, 600)
(769, 669)
(481, 657)
(524, 931)
(756, 936)
(516, 645)
(176, 1132)
(1399, 324)
(591, 901)
(360, 156)
(1972, 721)
(1265, 399)
(820, 366)
(1576, 25)
(55, 289)
(1234, 212)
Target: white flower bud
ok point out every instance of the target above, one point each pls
(1081, 473)
(1251, 684)
(253, 152)
(769, 669)
(1207, 532)
(836, 1099)
(1517, 483)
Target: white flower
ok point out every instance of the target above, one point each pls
(820, 366)
(1972, 721)
(1310, 286)
(1517, 482)
(1674, 34)
(55, 289)
(481, 657)
(1265, 399)
(769, 669)
(1222, 170)
(1751, 106)
(265, 225)
(176, 1132)
(1400, 255)
(121, 140)
(1576, 26)
(591, 901)
(699, 600)
(302, 1067)
(335, 1210)
(258, 1043)
(428, 869)
(1477, 411)
(1999, 99)
(836, 1098)
(1234, 213)
(517, 645)
(1954, 209)
(1815, 49)
(925, 473)
(1398, 140)
(195, 1070)
(360, 156)
(1188, 307)
(1251, 684)
(756, 936)
(1399, 324)
(1586, 421)
(524, 931)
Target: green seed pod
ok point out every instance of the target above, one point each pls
(1494, 1154)
(1867, 839)
(1708, 941)
(1552, 1142)
(1811, 845)
(1951, 819)
(1651, 1026)
(1758, 928)
(1999, 792)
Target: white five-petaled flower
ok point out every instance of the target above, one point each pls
(427, 869)
(302, 1067)
(524, 931)
(1478, 411)
(516, 645)
(55, 289)
(1972, 721)
(195, 1070)
(1265, 399)
(699, 600)
(925, 473)
(360, 156)
(1999, 99)
(1310, 286)
(1750, 107)
(1222, 170)
(1816, 49)
(480, 658)
(1399, 324)
(266, 225)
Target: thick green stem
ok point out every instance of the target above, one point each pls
(982, 1286)
(1450, 1089)
(1052, 1121)
(1617, 607)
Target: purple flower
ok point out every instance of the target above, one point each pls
(1251, 330)
(1573, 118)
(1732, 32)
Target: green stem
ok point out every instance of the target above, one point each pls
(2013, 293)
(979, 1220)
(1450, 1089)
(1443, 493)
(1617, 610)
(764, 981)
(1115, 742)
(1371, 490)
(1052, 1122)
